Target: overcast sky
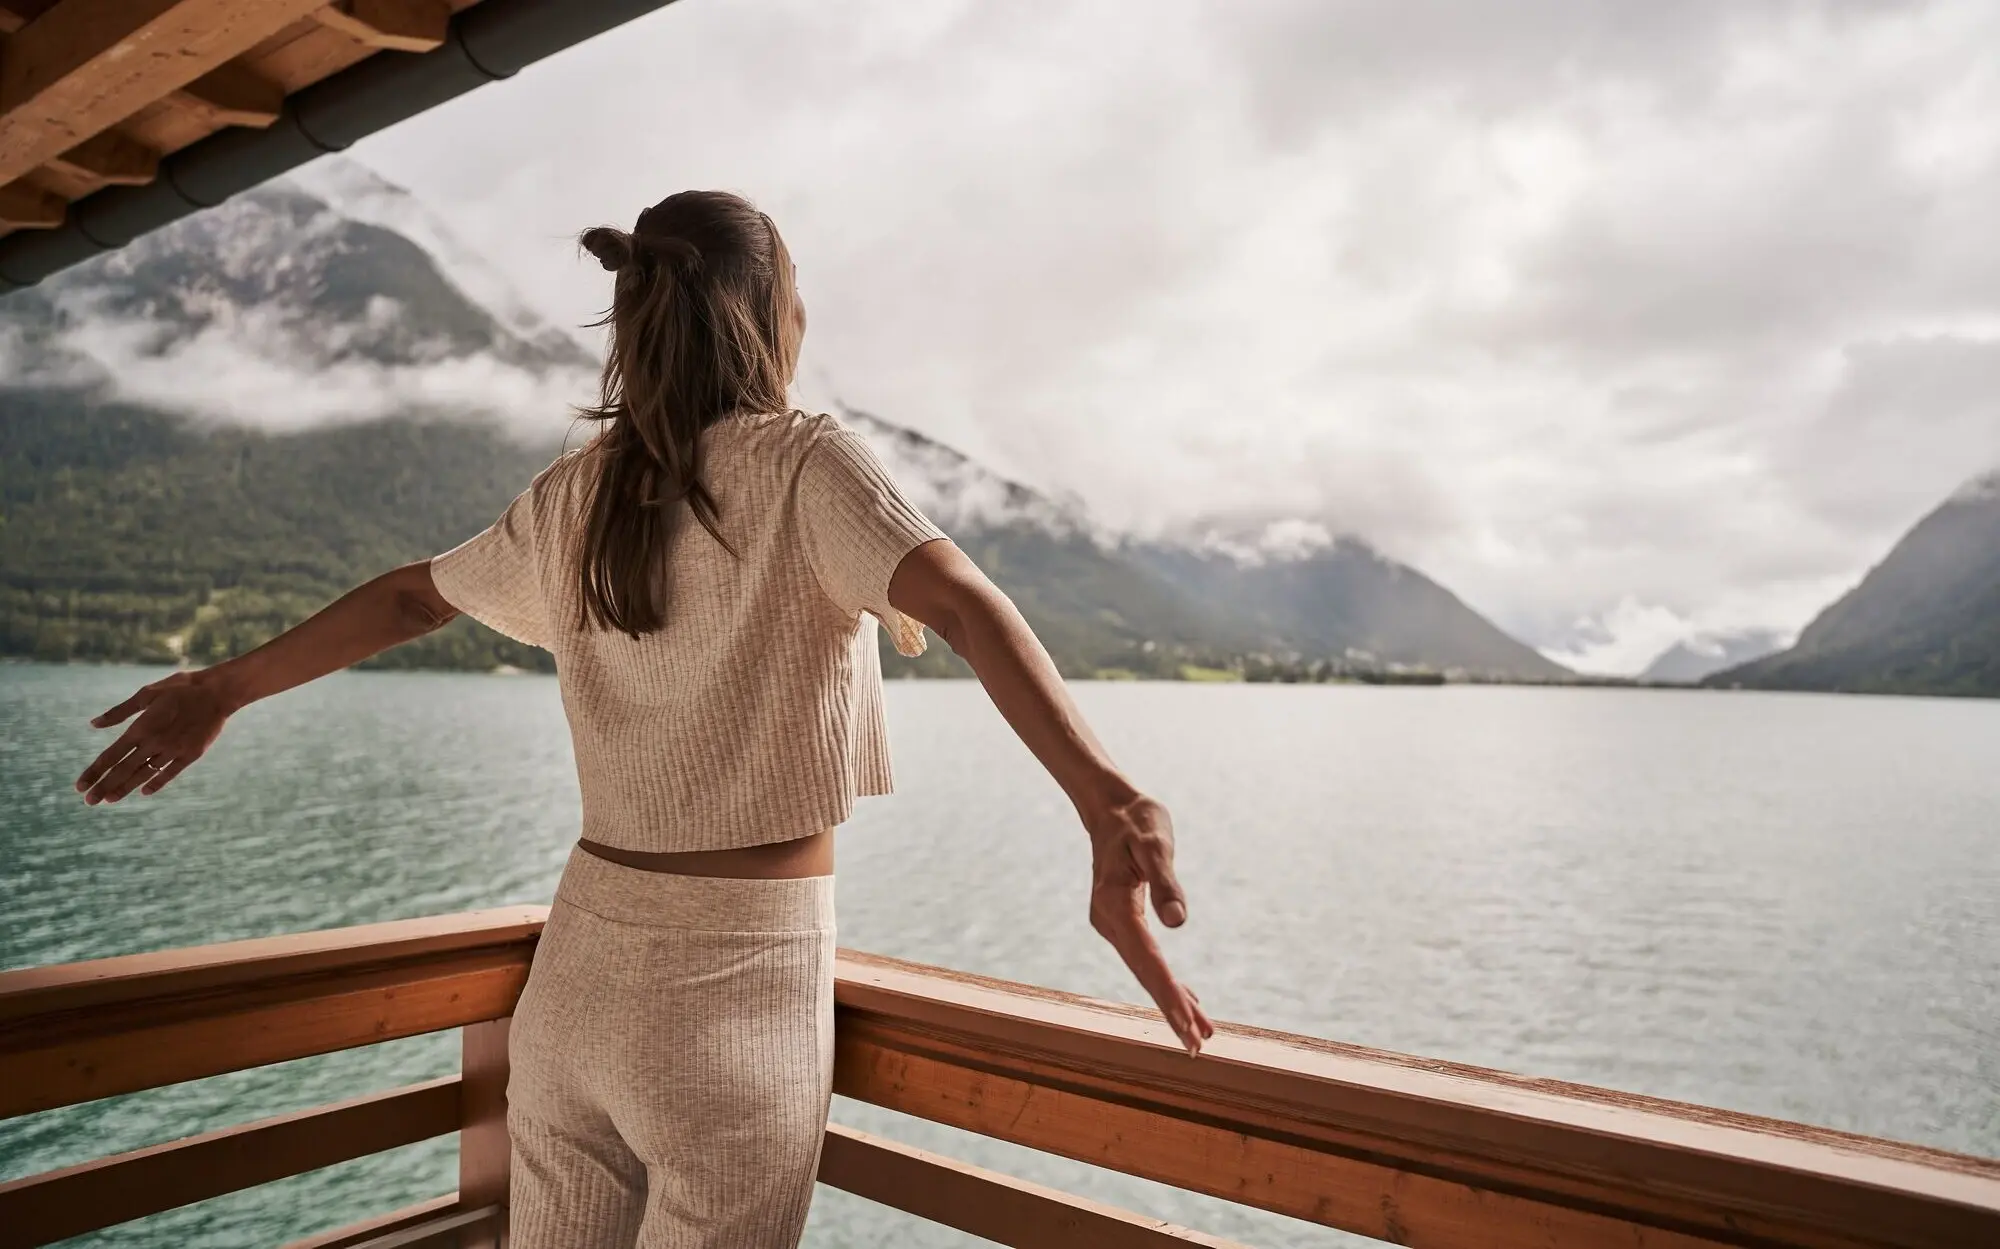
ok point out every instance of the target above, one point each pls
(1623, 320)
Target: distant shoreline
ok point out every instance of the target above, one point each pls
(1110, 677)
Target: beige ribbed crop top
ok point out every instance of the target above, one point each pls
(755, 714)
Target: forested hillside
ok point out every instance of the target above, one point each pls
(126, 534)
(1345, 599)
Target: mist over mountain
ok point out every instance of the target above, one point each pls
(209, 434)
(1687, 662)
(278, 311)
(1926, 620)
(1287, 593)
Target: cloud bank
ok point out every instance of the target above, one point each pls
(297, 314)
(246, 371)
(1627, 322)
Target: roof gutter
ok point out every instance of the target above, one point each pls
(488, 41)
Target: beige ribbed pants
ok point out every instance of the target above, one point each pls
(672, 1062)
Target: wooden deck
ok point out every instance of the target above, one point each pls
(1408, 1150)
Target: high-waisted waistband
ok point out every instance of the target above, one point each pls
(707, 903)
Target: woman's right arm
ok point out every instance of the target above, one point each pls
(1131, 836)
(181, 716)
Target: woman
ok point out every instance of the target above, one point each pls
(704, 571)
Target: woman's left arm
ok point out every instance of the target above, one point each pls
(181, 716)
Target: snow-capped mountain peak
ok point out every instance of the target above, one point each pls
(302, 302)
(958, 492)
(358, 193)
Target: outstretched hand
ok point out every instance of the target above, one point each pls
(179, 719)
(1131, 836)
(1131, 856)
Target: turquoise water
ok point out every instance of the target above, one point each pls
(1783, 904)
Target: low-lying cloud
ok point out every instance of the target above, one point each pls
(1627, 322)
(247, 371)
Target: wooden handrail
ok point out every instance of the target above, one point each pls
(82, 1031)
(1399, 1148)
(41, 993)
(1404, 1149)
(423, 1213)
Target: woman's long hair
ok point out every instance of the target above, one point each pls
(704, 322)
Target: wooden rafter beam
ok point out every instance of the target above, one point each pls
(393, 25)
(231, 95)
(15, 14)
(85, 65)
(24, 206)
(110, 159)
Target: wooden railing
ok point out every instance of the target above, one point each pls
(1407, 1150)
(82, 1031)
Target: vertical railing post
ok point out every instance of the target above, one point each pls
(482, 1140)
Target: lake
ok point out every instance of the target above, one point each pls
(1784, 904)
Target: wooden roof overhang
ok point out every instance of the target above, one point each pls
(119, 116)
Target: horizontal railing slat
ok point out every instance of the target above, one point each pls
(448, 1231)
(915, 1038)
(988, 1204)
(355, 1234)
(43, 1209)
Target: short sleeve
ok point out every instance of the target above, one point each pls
(492, 576)
(857, 527)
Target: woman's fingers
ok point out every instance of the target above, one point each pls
(1147, 838)
(111, 756)
(1156, 863)
(1201, 1019)
(1121, 920)
(160, 778)
(1132, 861)
(1187, 1021)
(123, 777)
(125, 709)
(176, 725)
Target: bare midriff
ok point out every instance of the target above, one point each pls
(778, 860)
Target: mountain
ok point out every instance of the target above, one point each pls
(141, 514)
(1095, 609)
(1288, 594)
(1688, 661)
(1926, 620)
(1303, 593)
(209, 434)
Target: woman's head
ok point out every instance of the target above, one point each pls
(705, 321)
